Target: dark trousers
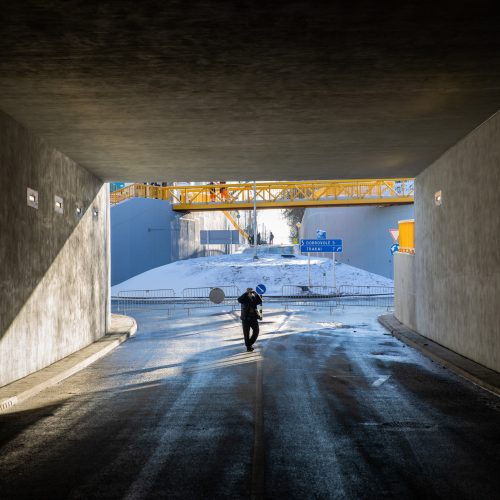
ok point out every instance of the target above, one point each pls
(254, 325)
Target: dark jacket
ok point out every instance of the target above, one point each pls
(249, 306)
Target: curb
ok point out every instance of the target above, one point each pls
(121, 329)
(470, 370)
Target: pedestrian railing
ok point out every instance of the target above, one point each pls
(309, 296)
(225, 297)
(366, 296)
(200, 297)
(136, 300)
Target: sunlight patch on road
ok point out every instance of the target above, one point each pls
(239, 359)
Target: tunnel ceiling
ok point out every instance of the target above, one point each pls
(195, 90)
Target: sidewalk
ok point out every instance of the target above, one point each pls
(472, 371)
(122, 327)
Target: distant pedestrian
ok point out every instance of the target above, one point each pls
(212, 192)
(271, 238)
(250, 239)
(259, 239)
(250, 315)
(223, 190)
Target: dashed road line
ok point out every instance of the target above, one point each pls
(258, 462)
(381, 380)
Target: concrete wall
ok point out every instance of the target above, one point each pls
(365, 231)
(457, 260)
(404, 289)
(147, 233)
(54, 277)
(186, 235)
(140, 237)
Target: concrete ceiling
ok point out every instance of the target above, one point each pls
(201, 90)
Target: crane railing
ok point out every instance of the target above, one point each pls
(240, 196)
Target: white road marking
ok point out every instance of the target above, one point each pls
(258, 483)
(381, 380)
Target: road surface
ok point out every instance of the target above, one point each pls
(327, 406)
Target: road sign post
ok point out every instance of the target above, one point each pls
(309, 268)
(321, 246)
(254, 220)
(216, 295)
(334, 277)
(261, 290)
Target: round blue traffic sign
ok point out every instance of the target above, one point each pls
(260, 289)
(394, 248)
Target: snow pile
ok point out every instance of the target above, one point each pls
(243, 271)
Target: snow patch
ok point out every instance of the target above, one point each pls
(243, 271)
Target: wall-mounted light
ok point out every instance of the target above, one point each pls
(58, 204)
(79, 211)
(32, 198)
(95, 212)
(438, 198)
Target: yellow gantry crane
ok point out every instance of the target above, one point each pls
(246, 195)
(240, 196)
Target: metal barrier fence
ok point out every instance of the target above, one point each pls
(193, 298)
(313, 296)
(137, 300)
(292, 295)
(344, 296)
(366, 296)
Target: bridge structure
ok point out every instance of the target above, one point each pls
(268, 195)
(228, 197)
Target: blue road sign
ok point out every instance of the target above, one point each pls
(320, 234)
(327, 246)
(394, 248)
(261, 289)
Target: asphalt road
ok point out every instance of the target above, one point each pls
(325, 407)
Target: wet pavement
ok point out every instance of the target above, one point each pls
(327, 406)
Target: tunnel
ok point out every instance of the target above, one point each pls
(107, 91)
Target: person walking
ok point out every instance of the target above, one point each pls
(271, 238)
(250, 315)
